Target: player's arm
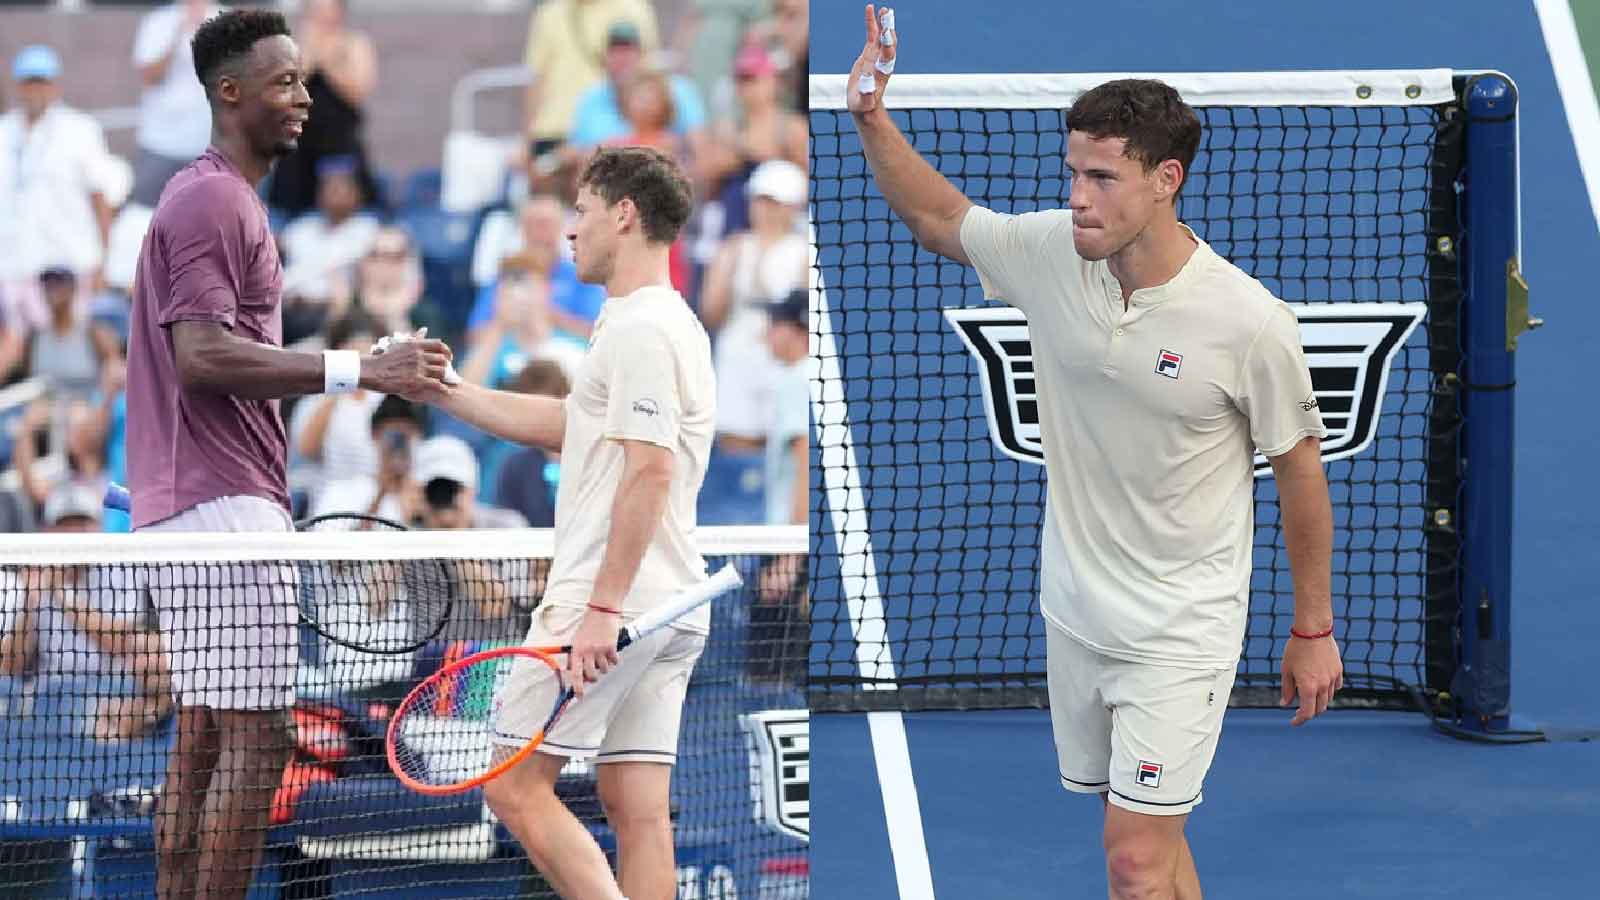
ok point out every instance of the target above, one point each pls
(1312, 670)
(924, 199)
(210, 357)
(1307, 532)
(524, 418)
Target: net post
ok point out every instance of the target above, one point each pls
(1482, 683)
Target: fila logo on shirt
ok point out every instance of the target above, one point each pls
(1349, 348)
(1149, 774)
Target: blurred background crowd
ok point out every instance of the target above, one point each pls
(469, 242)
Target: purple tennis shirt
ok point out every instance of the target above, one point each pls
(209, 256)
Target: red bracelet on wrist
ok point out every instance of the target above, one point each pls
(1310, 637)
(606, 609)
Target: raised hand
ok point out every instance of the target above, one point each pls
(870, 75)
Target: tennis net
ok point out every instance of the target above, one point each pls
(1339, 191)
(86, 717)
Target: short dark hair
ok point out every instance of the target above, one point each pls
(354, 321)
(395, 408)
(1148, 114)
(543, 377)
(222, 42)
(651, 179)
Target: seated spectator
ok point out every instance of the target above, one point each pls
(447, 471)
(603, 116)
(788, 466)
(331, 433)
(79, 423)
(321, 248)
(55, 193)
(526, 478)
(70, 350)
(89, 622)
(388, 285)
(395, 429)
(496, 596)
(567, 44)
(647, 106)
(752, 270)
(523, 328)
(763, 130)
(574, 305)
(782, 608)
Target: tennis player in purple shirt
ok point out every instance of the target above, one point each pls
(207, 451)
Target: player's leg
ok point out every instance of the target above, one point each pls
(1166, 722)
(636, 759)
(525, 800)
(1186, 877)
(193, 758)
(182, 803)
(635, 796)
(1079, 719)
(254, 750)
(1142, 853)
(250, 660)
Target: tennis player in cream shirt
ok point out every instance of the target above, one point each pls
(634, 436)
(1161, 368)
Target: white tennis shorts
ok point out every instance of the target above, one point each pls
(229, 628)
(631, 714)
(1144, 732)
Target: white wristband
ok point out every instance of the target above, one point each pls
(341, 371)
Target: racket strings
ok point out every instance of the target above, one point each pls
(443, 734)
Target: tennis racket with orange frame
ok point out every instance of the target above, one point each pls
(438, 739)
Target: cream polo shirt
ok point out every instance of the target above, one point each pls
(1148, 418)
(647, 377)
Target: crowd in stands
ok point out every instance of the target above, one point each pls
(368, 253)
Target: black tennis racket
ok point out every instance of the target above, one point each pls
(382, 606)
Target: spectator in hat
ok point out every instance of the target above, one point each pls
(761, 129)
(86, 622)
(174, 117)
(778, 634)
(789, 340)
(447, 472)
(602, 114)
(54, 172)
(567, 45)
(82, 446)
(751, 270)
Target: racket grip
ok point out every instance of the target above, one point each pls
(726, 579)
(117, 497)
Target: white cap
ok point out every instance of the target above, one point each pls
(445, 457)
(67, 500)
(780, 180)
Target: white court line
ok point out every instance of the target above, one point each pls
(858, 577)
(1577, 91)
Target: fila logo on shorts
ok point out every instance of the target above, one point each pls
(1168, 363)
(1348, 346)
(1149, 774)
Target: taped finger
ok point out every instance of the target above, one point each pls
(886, 33)
(866, 82)
(886, 66)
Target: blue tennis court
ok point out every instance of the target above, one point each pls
(1359, 804)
